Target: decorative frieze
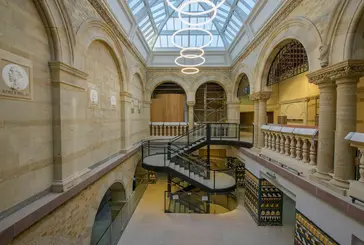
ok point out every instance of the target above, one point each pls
(309, 234)
(263, 200)
(265, 95)
(348, 68)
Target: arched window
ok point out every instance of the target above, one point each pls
(290, 61)
(244, 87)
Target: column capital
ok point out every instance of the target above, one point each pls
(191, 103)
(125, 96)
(263, 95)
(345, 69)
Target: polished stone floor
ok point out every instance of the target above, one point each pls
(151, 226)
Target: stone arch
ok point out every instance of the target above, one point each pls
(300, 29)
(216, 79)
(241, 70)
(153, 84)
(348, 33)
(97, 201)
(95, 30)
(137, 74)
(55, 18)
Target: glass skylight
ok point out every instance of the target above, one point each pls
(158, 22)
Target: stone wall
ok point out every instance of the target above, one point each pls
(26, 123)
(72, 222)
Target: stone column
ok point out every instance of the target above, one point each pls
(327, 122)
(125, 104)
(146, 117)
(262, 98)
(191, 105)
(345, 123)
(233, 112)
(256, 122)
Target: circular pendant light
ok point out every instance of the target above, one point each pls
(190, 70)
(209, 19)
(191, 56)
(199, 64)
(191, 29)
(198, 13)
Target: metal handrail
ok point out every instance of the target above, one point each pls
(188, 132)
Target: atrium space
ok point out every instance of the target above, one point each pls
(217, 122)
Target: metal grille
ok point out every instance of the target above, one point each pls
(289, 62)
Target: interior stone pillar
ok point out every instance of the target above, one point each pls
(256, 121)
(327, 123)
(191, 105)
(233, 112)
(262, 98)
(146, 117)
(345, 123)
(68, 84)
(125, 104)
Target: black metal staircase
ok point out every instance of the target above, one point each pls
(175, 158)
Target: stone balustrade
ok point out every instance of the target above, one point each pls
(356, 187)
(295, 147)
(168, 128)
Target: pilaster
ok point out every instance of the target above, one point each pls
(233, 112)
(125, 104)
(68, 84)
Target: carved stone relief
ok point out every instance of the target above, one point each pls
(15, 76)
(94, 98)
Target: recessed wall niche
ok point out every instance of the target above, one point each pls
(16, 80)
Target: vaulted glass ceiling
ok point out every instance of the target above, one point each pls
(158, 21)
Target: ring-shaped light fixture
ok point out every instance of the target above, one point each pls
(192, 56)
(191, 29)
(199, 64)
(190, 70)
(209, 19)
(195, 13)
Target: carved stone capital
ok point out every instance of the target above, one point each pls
(265, 95)
(345, 69)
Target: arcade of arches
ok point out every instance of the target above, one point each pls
(103, 139)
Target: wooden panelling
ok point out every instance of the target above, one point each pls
(168, 108)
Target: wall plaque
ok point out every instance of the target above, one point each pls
(113, 101)
(15, 76)
(94, 97)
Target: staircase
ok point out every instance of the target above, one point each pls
(174, 156)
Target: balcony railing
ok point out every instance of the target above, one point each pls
(168, 128)
(291, 144)
(356, 189)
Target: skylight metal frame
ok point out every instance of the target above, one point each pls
(228, 23)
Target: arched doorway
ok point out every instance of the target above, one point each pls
(110, 205)
(246, 104)
(168, 112)
(210, 103)
(294, 100)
